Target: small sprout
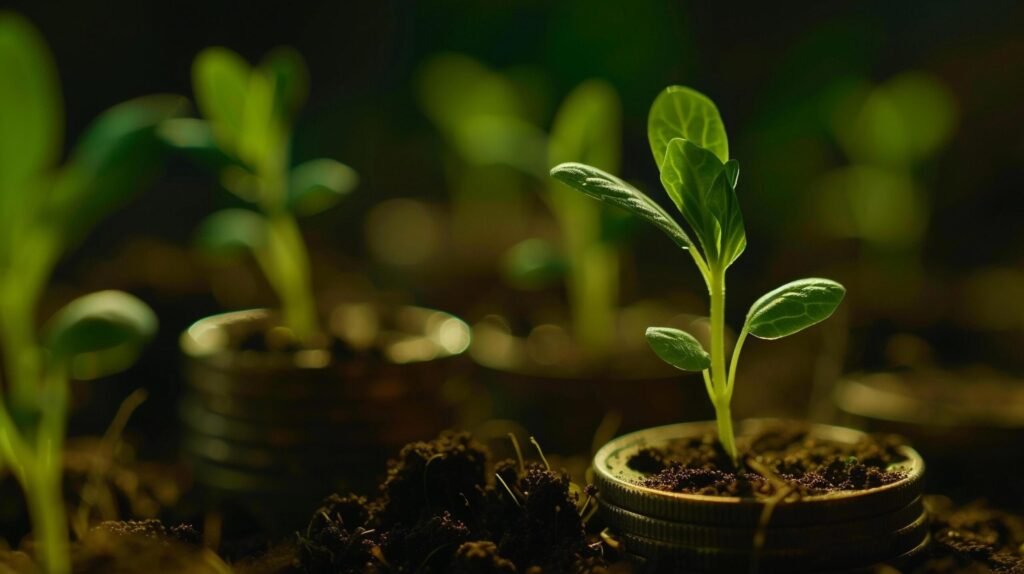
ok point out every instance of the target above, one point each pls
(484, 116)
(519, 452)
(540, 452)
(691, 150)
(244, 137)
(509, 490)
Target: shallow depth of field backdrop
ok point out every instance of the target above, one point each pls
(822, 101)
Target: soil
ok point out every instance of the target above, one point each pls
(443, 509)
(280, 340)
(970, 539)
(127, 547)
(809, 464)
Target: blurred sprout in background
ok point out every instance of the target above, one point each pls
(245, 137)
(45, 210)
(496, 127)
(889, 132)
(485, 119)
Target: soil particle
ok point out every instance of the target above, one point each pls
(153, 529)
(140, 546)
(336, 541)
(814, 466)
(480, 557)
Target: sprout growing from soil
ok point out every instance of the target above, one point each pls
(245, 137)
(45, 209)
(691, 150)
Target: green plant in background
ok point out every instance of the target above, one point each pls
(691, 149)
(245, 136)
(45, 209)
(887, 131)
(497, 126)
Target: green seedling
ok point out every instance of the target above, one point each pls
(487, 120)
(691, 149)
(245, 136)
(45, 209)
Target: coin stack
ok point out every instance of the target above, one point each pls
(839, 531)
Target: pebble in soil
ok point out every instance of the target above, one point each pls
(811, 465)
(441, 509)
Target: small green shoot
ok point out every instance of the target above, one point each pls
(690, 147)
(245, 137)
(45, 209)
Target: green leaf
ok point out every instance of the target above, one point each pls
(678, 348)
(117, 155)
(31, 112)
(794, 307)
(483, 114)
(680, 112)
(501, 140)
(901, 122)
(220, 79)
(453, 87)
(319, 184)
(99, 322)
(290, 76)
(195, 139)
(699, 185)
(605, 187)
(230, 233)
(31, 126)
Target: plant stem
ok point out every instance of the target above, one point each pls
(289, 272)
(593, 288)
(19, 349)
(45, 493)
(734, 361)
(723, 417)
(719, 377)
(46, 509)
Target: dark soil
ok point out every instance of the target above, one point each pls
(442, 509)
(128, 547)
(971, 539)
(811, 465)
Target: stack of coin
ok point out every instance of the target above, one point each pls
(839, 531)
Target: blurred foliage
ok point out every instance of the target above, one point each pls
(888, 132)
(487, 118)
(806, 97)
(246, 139)
(45, 209)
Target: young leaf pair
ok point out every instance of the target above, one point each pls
(691, 149)
(45, 209)
(245, 137)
